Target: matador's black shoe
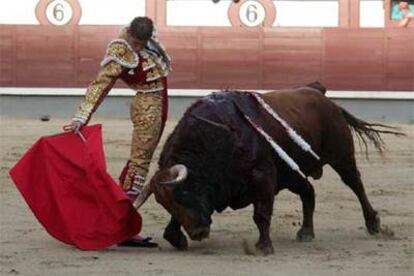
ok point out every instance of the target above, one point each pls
(138, 241)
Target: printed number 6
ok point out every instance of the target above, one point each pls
(251, 13)
(58, 12)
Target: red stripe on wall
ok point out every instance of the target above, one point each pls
(205, 57)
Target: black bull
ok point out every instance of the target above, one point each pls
(225, 162)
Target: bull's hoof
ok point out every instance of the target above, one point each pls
(265, 248)
(176, 239)
(305, 235)
(374, 225)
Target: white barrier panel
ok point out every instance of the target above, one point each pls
(119, 12)
(289, 13)
(197, 13)
(18, 12)
(371, 14)
(93, 12)
(299, 13)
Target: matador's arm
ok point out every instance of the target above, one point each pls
(119, 57)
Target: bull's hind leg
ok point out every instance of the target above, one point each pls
(350, 175)
(263, 207)
(305, 190)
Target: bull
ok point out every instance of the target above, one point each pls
(215, 158)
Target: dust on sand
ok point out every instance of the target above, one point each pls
(341, 246)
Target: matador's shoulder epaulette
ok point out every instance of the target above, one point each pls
(121, 52)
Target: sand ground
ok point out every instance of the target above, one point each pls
(341, 246)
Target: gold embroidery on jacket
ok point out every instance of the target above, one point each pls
(98, 89)
(121, 52)
(159, 68)
(148, 64)
(153, 74)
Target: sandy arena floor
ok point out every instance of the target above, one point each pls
(341, 247)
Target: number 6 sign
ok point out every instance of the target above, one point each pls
(58, 12)
(252, 13)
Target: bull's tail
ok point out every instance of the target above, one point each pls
(371, 131)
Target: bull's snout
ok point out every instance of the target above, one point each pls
(200, 234)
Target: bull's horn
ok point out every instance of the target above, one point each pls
(179, 170)
(142, 197)
(181, 174)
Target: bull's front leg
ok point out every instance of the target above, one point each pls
(175, 236)
(262, 217)
(263, 209)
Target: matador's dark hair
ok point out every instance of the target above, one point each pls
(141, 28)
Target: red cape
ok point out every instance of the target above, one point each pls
(65, 183)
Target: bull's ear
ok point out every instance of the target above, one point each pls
(318, 86)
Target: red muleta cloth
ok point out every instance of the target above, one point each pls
(65, 183)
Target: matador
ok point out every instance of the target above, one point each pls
(140, 60)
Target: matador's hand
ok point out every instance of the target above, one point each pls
(74, 126)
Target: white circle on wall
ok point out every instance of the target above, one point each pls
(252, 13)
(59, 12)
